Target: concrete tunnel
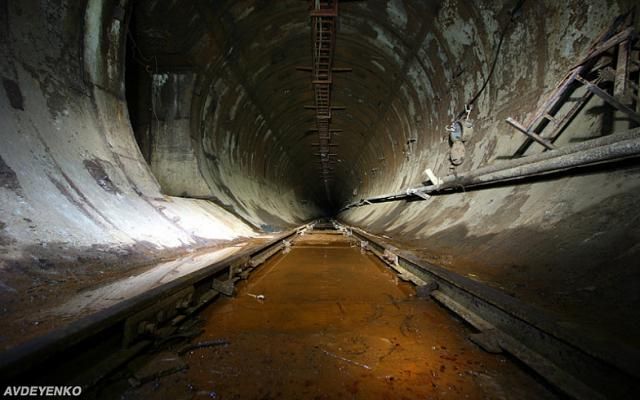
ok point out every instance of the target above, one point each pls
(478, 157)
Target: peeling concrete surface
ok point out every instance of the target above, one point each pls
(220, 120)
(78, 203)
(98, 299)
(8, 178)
(415, 65)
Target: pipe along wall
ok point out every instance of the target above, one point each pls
(135, 133)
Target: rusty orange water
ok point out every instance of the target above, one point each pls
(336, 324)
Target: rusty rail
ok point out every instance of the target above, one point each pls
(580, 366)
(85, 351)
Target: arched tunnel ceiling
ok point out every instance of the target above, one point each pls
(229, 160)
(400, 72)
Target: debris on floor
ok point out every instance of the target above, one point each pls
(330, 354)
(259, 297)
(158, 365)
(199, 345)
(335, 326)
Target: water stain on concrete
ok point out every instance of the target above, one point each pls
(5, 240)
(80, 203)
(274, 222)
(12, 89)
(554, 262)
(8, 178)
(97, 171)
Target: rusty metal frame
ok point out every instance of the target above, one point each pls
(548, 122)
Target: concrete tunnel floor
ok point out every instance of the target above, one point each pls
(143, 140)
(334, 323)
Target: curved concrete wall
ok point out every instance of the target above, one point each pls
(220, 117)
(568, 245)
(78, 203)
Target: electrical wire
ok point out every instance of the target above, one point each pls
(512, 18)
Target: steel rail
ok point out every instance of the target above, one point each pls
(581, 366)
(73, 346)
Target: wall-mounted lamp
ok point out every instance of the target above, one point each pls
(459, 132)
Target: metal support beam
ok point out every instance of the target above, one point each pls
(601, 150)
(620, 85)
(529, 133)
(609, 99)
(332, 107)
(602, 48)
(334, 70)
(551, 114)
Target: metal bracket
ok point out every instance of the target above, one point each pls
(148, 321)
(390, 257)
(416, 192)
(286, 246)
(225, 287)
(237, 268)
(578, 366)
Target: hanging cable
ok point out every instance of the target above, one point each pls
(512, 18)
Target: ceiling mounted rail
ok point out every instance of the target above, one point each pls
(324, 19)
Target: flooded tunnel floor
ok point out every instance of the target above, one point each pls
(334, 324)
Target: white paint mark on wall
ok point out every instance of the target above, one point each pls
(159, 80)
(377, 64)
(397, 13)
(382, 37)
(245, 13)
(234, 108)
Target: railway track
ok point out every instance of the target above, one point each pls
(86, 351)
(571, 360)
